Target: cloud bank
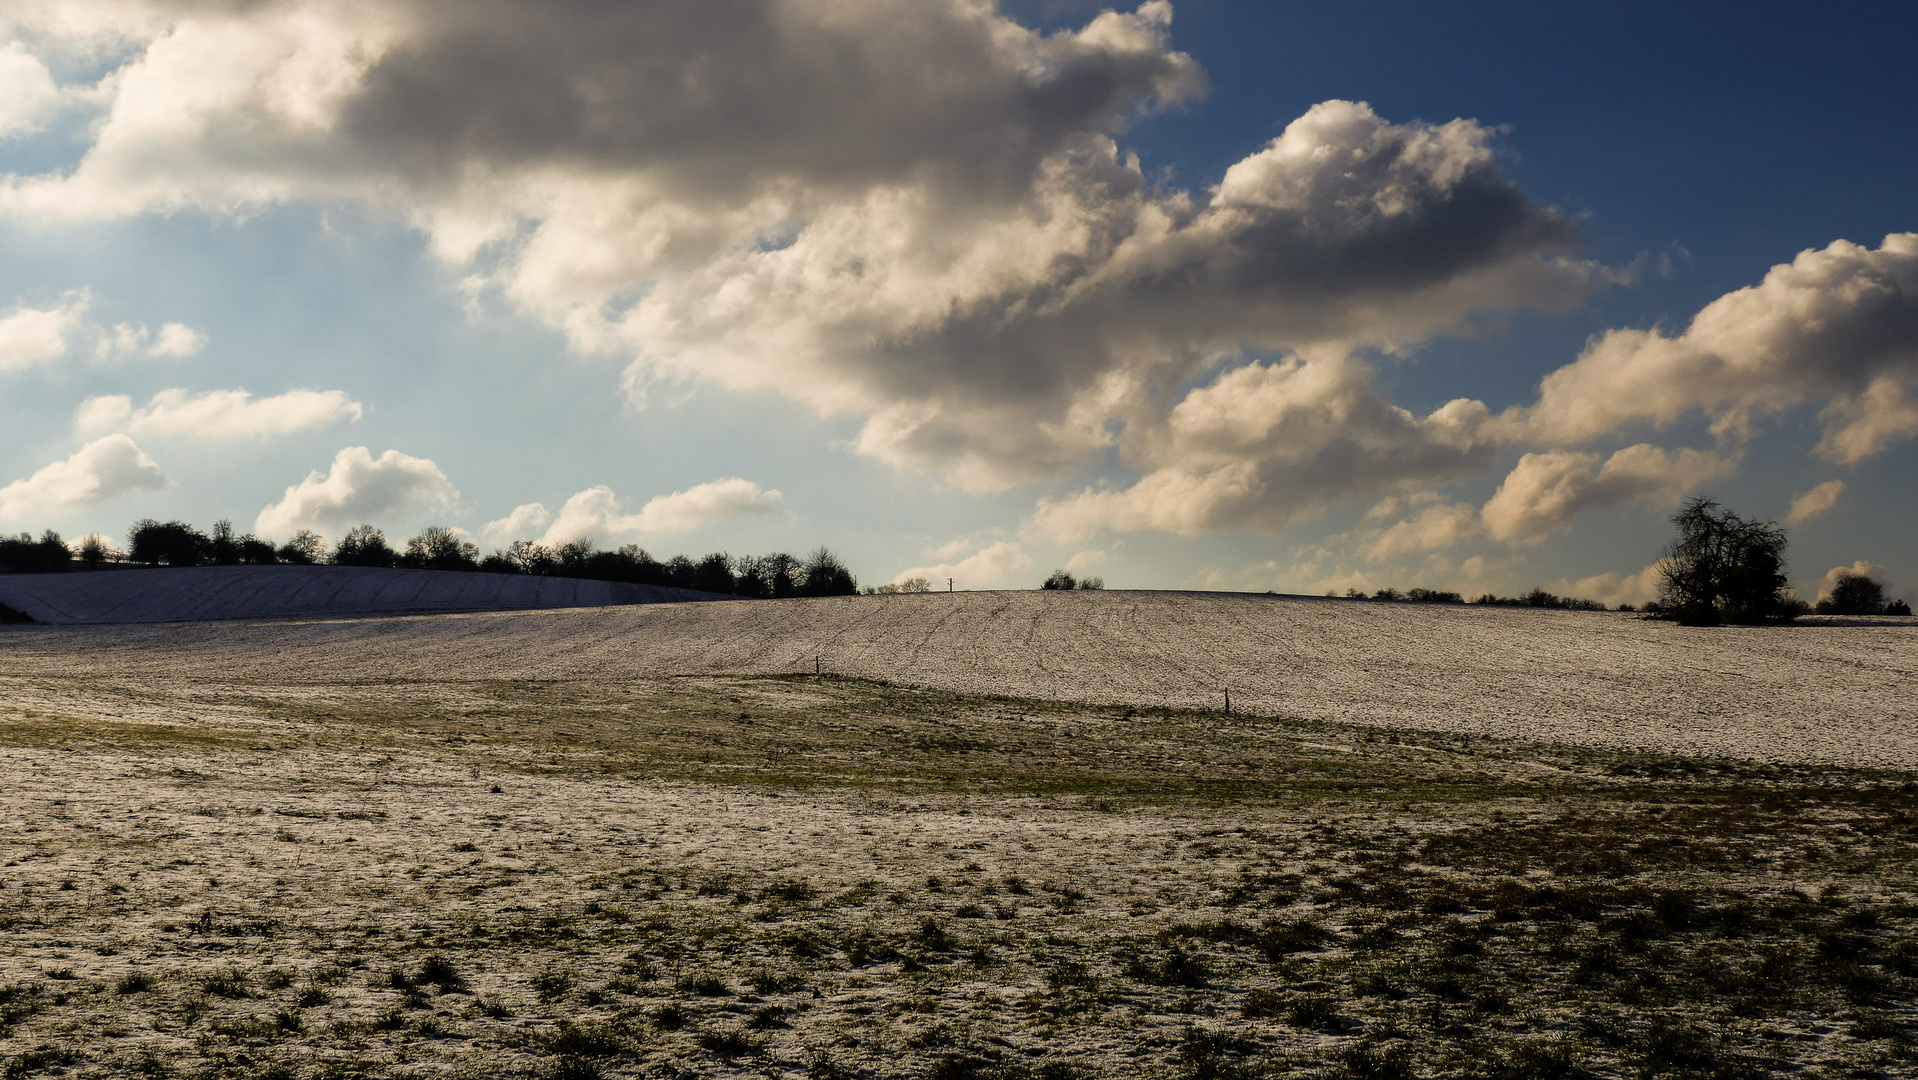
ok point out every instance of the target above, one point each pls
(1001, 563)
(915, 212)
(597, 514)
(109, 467)
(216, 414)
(359, 489)
(32, 336)
(919, 213)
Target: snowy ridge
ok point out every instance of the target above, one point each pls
(1838, 693)
(193, 594)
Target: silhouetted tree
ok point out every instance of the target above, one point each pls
(638, 567)
(363, 545)
(714, 573)
(1853, 594)
(1723, 568)
(223, 548)
(679, 572)
(1091, 584)
(574, 558)
(305, 549)
(1539, 598)
(827, 576)
(255, 551)
(783, 574)
(750, 579)
(1060, 579)
(174, 543)
(438, 548)
(23, 554)
(95, 550)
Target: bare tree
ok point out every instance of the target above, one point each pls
(1723, 568)
(363, 545)
(306, 548)
(439, 548)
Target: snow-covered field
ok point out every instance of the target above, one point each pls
(258, 592)
(831, 879)
(646, 841)
(1840, 692)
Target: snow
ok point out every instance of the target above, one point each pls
(1834, 693)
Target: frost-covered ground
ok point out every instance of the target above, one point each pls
(214, 873)
(1839, 692)
(254, 592)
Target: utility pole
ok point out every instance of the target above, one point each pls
(815, 664)
(1228, 701)
(948, 584)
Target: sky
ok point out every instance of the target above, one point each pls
(1247, 296)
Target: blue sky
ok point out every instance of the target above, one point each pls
(971, 293)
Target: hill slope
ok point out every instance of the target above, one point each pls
(193, 594)
(1831, 693)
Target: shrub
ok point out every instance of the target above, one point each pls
(1278, 939)
(438, 971)
(704, 985)
(136, 982)
(729, 1042)
(588, 1040)
(552, 985)
(1060, 580)
(671, 1017)
(227, 984)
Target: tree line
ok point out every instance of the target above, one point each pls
(1721, 567)
(153, 543)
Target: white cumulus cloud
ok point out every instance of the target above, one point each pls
(106, 468)
(913, 211)
(31, 336)
(359, 489)
(916, 213)
(1544, 491)
(1816, 503)
(597, 514)
(1001, 563)
(216, 414)
(27, 91)
(1837, 325)
(1433, 528)
(526, 522)
(177, 339)
(1611, 589)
